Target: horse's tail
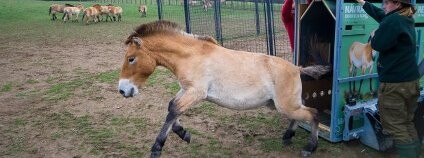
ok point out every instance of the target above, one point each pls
(50, 10)
(315, 71)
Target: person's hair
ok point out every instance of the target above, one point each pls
(406, 9)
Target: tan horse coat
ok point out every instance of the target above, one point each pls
(206, 71)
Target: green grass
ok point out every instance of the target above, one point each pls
(108, 77)
(7, 87)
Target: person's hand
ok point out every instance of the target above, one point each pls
(362, 2)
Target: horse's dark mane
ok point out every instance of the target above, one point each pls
(69, 5)
(159, 26)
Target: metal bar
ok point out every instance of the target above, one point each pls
(218, 26)
(270, 26)
(187, 16)
(337, 116)
(356, 78)
(258, 26)
(160, 15)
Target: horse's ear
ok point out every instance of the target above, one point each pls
(137, 41)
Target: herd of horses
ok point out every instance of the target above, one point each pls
(93, 13)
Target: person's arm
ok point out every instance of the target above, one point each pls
(286, 15)
(375, 12)
(386, 35)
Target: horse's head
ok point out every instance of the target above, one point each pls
(80, 6)
(138, 66)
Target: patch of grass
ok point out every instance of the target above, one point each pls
(261, 120)
(56, 136)
(63, 90)
(17, 146)
(158, 76)
(20, 122)
(206, 108)
(7, 87)
(271, 144)
(108, 76)
(31, 81)
(133, 151)
(172, 87)
(26, 93)
(139, 123)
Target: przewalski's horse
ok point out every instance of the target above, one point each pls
(208, 3)
(143, 10)
(92, 14)
(104, 11)
(116, 12)
(57, 8)
(361, 56)
(206, 71)
(69, 12)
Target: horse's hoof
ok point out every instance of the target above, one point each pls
(155, 154)
(287, 142)
(187, 137)
(305, 153)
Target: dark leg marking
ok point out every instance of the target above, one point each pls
(289, 133)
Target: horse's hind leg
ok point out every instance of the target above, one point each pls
(296, 111)
(290, 132)
(311, 115)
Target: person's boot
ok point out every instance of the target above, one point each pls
(407, 150)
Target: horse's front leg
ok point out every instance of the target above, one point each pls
(181, 132)
(161, 138)
(182, 102)
(177, 128)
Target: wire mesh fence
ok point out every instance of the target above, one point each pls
(236, 24)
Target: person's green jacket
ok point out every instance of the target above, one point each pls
(395, 40)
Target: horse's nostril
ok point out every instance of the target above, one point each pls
(122, 92)
(132, 92)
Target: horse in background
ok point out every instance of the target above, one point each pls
(69, 12)
(57, 8)
(92, 14)
(116, 12)
(104, 11)
(208, 3)
(208, 71)
(142, 9)
(361, 56)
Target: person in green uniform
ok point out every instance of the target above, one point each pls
(397, 70)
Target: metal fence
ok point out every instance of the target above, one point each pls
(249, 25)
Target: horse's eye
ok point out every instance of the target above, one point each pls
(131, 60)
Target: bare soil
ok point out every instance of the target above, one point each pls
(94, 120)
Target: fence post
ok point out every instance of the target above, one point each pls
(159, 2)
(258, 26)
(270, 27)
(218, 27)
(187, 16)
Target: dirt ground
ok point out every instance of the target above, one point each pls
(54, 104)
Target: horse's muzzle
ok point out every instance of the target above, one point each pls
(127, 89)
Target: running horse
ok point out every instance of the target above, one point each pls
(206, 71)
